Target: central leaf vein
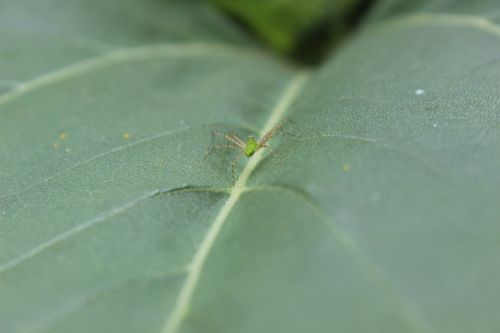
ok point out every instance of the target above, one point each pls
(182, 304)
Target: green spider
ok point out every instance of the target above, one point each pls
(248, 148)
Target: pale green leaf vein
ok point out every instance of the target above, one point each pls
(407, 310)
(100, 218)
(105, 154)
(72, 308)
(135, 54)
(79, 228)
(450, 20)
(182, 304)
(376, 143)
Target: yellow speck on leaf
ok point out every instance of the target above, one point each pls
(55, 145)
(346, 167)
(63, 136)
(126, 136)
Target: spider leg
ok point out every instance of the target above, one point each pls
(217, 147)
(271, 149)
(242, 143)
(233, 166)
(276, 130)
(231, 138)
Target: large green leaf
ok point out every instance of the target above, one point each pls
(380, 213)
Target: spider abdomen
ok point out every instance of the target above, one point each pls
(250, 146)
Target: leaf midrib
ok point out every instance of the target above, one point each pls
(181, 306)
(408, 311)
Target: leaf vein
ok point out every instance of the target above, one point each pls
(479, 23)
(104, 154)
(387, 147)
(71, 309)
(126, 55)
(183, 302)
(407, 310)
(100, 218)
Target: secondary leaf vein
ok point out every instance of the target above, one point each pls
(406, 309)
(103, 217)
(142, 53)
(104, 154)
(451, 20)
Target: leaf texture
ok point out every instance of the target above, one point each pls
(379, 212)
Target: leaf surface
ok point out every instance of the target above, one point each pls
(378, 214)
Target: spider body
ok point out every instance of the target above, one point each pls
(248, 148)
(251, 146)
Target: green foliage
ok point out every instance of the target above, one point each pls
(282, 22)
(379, 214)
